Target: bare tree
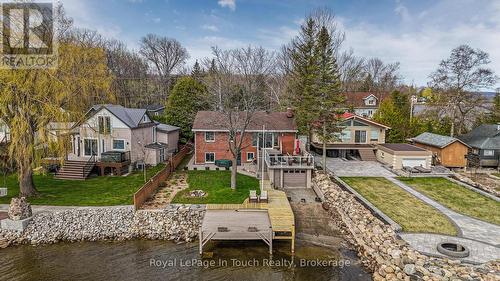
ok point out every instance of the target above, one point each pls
(236, 79)
(165, 54)
(381, 77)
(351, 70)
(457, 79)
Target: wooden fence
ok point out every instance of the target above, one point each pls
(149, 188)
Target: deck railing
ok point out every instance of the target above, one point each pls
(88, 166)
(289, 161)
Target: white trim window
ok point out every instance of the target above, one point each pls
(374, 135)
(90, 147)
(118, 144)
(209, 157)
(250, 156)
(209, 136)
(488, 152)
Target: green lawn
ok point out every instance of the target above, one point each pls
(457, 198)
(96, 191)
(409, 212)
(496, 174)
(217, 185)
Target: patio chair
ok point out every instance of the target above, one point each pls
(263, 197)
(253, 196)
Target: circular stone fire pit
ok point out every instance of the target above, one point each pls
(453, 249)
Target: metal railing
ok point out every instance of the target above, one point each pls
(87, 168)
(289, 161)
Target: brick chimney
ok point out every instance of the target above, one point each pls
(289, 112)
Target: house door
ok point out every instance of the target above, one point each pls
(359, 136)
(162, 155)
(90, 147)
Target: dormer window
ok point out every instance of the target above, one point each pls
(371, 102)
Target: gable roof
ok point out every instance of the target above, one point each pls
(273, 121)
(348, 116)
(486, 136)
(436, 140)
(166, 128)
(154, 107)
(130, 116)
(357, 99)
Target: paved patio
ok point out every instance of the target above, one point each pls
(353, 168)
(427, 243)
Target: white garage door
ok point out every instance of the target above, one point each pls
(295, 179)
(414, 162)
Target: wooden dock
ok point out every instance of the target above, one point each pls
(278, 209)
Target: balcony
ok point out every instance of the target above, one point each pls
(276, 160)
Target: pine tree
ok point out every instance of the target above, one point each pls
(304, 76)
(197, 73)
(328, 91)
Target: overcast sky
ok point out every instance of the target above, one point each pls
(416, 33)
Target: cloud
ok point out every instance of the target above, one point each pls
(231, 4)
(156, 20)
(210, 27)
(420, 47)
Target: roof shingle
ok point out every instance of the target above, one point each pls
(273, 121)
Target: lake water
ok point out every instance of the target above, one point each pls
(160, 260)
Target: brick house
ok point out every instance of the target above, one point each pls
(285, 166)
(211, 136)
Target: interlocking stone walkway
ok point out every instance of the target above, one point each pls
(427, 243)
(471, 228)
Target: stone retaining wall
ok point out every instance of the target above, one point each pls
(464, 179)
(95, 224)
(384, 253)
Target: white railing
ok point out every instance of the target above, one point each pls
(289, 161)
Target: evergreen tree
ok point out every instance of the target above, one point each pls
(395, 113)
(304, 76)
(197, 73)
(328, 91)
(187, 97)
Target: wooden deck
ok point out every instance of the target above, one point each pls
(279, 211)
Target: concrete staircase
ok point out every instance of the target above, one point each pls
(75, 170)
(367, 155)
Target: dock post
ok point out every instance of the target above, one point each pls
(293, 239)
(200, 236)
(271, 241)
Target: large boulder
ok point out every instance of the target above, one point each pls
(19, 209)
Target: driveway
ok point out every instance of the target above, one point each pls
(351, 168)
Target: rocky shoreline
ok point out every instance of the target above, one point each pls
(97, 224)
(383, 252)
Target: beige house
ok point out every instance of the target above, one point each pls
(114, 137)
(358, 138)
(400, 155)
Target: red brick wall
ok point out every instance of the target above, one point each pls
(221, 149)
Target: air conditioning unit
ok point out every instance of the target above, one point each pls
(3, 192)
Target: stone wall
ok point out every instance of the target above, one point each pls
(384, 253)
(95, 224)
(469, 181)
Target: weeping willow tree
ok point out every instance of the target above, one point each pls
(31, 99)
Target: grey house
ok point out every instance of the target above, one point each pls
(485, 141)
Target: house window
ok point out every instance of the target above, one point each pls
(209, 157)
(346, 135)
(489, 152)
(271, 140)
(104, 124)
(209, 136)
(90, 147)
(371, 101)
(250, 156)
(374, 135)
(118, 144)
(359, 136)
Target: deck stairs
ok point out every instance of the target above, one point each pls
(367, 155)
(75, 170)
